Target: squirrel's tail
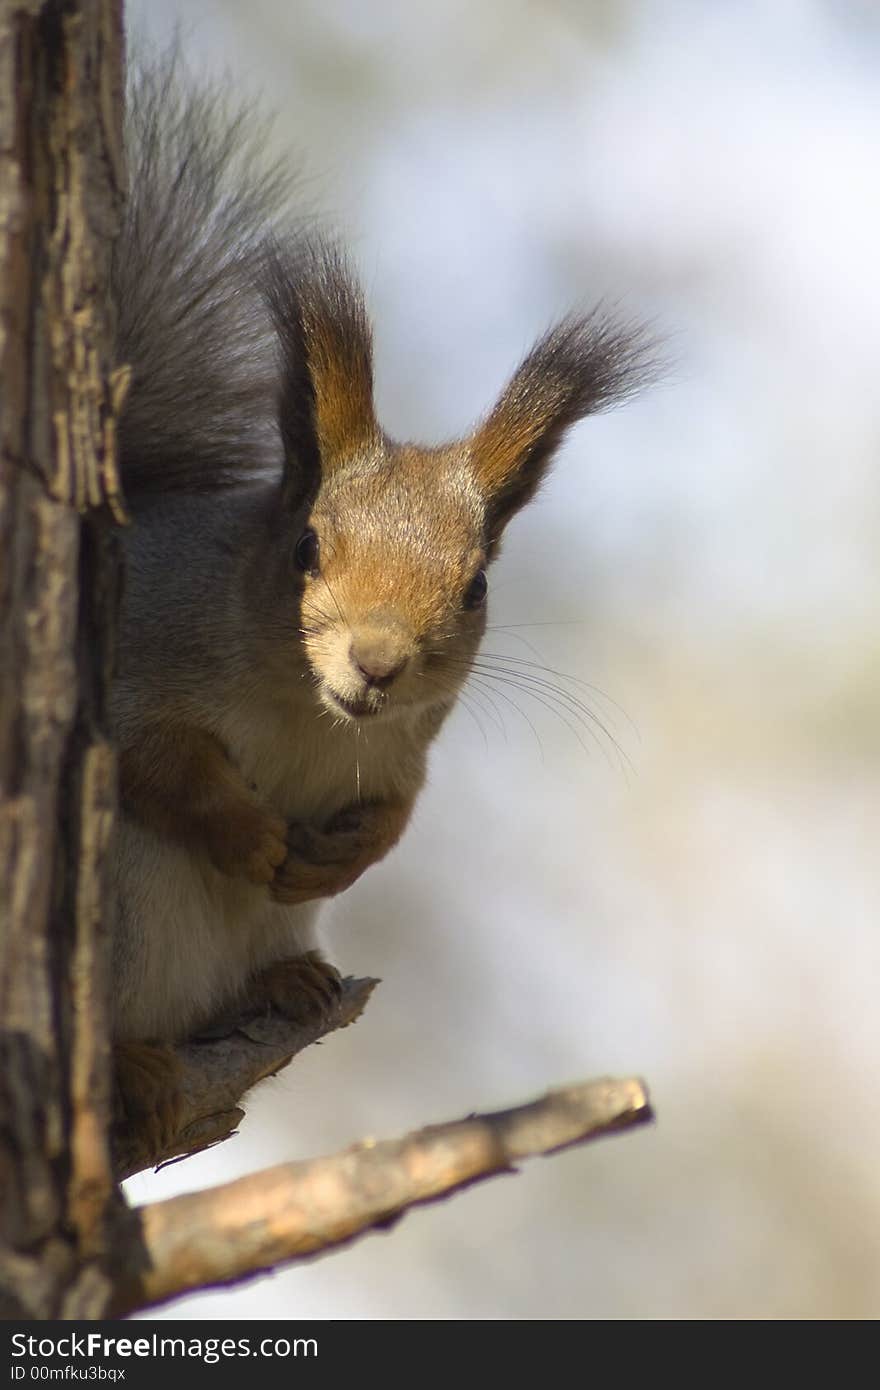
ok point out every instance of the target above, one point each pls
(191, 316)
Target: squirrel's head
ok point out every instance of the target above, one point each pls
(389, 544)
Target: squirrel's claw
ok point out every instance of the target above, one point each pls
(298, 988)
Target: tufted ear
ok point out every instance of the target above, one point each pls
(582, 365)
(325, 408)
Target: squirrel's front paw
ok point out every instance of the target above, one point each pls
(249, 843)
(322, 863)
(300, 881)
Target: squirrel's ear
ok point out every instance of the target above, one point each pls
(583, 365)
(326, 400)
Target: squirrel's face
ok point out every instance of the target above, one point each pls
(391, 568)
(390, 560)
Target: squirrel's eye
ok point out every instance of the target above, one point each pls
(307, 552)
(476, 591)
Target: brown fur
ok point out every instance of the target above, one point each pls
(297, 989)
(322, 863)
(178, 779)
(146, 1097)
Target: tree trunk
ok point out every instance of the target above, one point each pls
(61, 186)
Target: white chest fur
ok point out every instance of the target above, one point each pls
(189, 937)
(308, 766)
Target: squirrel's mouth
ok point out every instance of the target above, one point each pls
(360, 708)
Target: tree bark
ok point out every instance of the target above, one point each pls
(61, 186)
(215, 1076)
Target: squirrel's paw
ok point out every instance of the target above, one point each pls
(298, 881)
(365, 830)
(348, 836)
(147, 1102)
(250, 843)
(319, 864)
(322, 863)
(299, 988)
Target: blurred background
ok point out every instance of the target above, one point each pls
(691, 896)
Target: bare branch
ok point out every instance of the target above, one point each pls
(300, 1209)
(216, 1074)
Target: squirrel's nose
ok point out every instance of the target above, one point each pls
(378, 657)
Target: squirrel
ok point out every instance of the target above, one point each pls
(304, 596)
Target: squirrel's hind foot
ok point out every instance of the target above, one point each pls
(299, 988)
(147, 1103)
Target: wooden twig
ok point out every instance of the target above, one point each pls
(216, 1074)
(300, 1209)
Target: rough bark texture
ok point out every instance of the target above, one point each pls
(216, 1075)
(61, 183)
